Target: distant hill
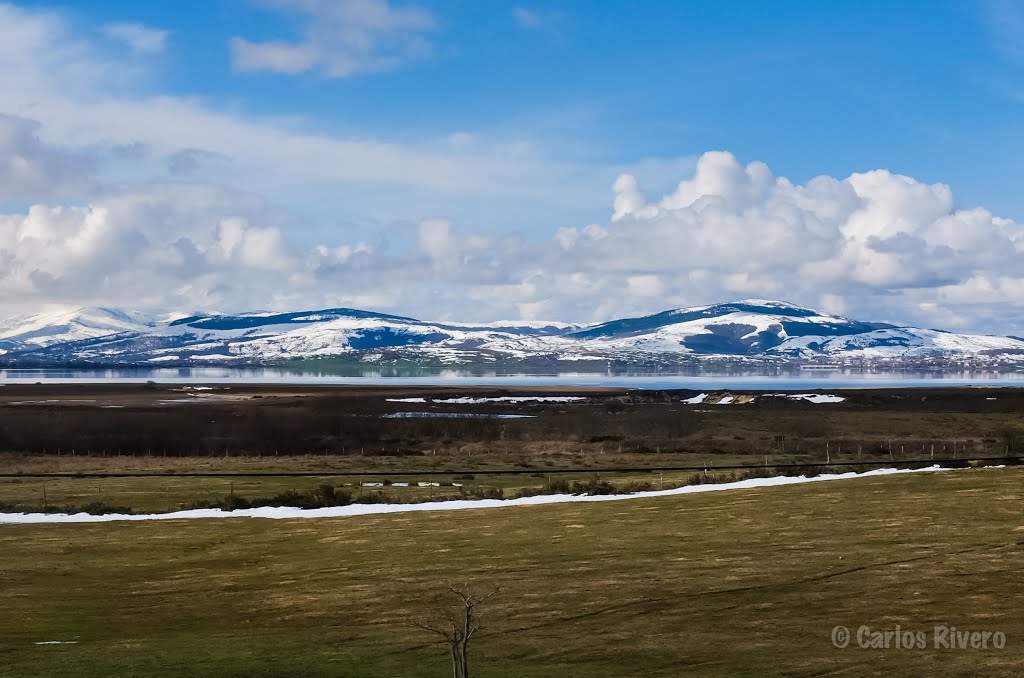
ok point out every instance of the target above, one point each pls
(748, 330)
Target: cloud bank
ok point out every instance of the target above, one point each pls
(874, 244)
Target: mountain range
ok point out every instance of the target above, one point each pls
(751, 330)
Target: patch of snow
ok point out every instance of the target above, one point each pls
(285, 512)
(816, 398)
(162, 359)
(406, 400)
(726, 400)
(696, 400)
(56, 642)
(819, 398)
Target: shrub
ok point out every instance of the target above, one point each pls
(98, 508)
(560, 486)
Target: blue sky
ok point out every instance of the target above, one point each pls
(921, 88)
(513, 120)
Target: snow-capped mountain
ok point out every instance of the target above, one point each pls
(749, 330)
(68, 324)
(745, 327)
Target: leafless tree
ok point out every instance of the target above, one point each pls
(455, 619)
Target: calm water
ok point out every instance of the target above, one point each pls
(816, 379)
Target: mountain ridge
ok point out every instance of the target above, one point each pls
(744, 330)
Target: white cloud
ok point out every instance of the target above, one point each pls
(162, 244)
(874, 245)
(341, 38)
(53, 74)
(138, 38)
(188, 161)
(644, 286)
(30, 169)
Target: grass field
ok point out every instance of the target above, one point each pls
(161, 491)
(343, 431)
(735, 583)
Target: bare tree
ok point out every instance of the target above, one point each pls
(455, 620)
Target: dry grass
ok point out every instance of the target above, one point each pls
(735, 583)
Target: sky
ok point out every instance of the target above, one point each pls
(477, 161)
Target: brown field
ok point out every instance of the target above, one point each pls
(339, 436)
(738, 583)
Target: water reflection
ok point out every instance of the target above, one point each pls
(737, 378)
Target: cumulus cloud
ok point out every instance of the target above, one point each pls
(341, 38)
(874, 245)
(139, 38)
(166, 244)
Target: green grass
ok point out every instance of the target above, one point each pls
(732, 584)
(161, 494)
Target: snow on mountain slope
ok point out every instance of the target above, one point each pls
(68, 324)
(748, 329)
(758, 327)
(346, 335)
(900, 342)
(254, 337)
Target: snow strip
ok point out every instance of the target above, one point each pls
(372, 509)
(696, 400)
